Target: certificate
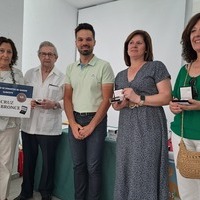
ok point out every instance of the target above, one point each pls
(15, 100)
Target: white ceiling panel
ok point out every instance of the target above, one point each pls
(86, 3)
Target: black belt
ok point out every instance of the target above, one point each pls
(85, 114)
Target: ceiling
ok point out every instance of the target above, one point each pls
(79, 4)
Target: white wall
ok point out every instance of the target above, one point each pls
(114, 21)
(52, 20)
(196, 7)
(11, 20)
(55, 20)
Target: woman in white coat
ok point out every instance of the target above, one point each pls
(9, 126)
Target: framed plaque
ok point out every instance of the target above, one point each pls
(15, 100)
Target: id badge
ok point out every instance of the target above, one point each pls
(186, 92)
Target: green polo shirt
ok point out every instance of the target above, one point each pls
(87, 82)
(191, 122)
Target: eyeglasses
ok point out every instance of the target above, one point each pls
(192, 83)
(50, 55)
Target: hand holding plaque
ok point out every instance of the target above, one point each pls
(118, 96)
(186, 94)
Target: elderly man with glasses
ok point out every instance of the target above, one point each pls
(44, 127)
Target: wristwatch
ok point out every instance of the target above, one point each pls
(142, 100)
(56, 106)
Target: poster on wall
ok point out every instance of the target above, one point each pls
(15, 100)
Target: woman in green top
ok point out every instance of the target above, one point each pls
(188, 79)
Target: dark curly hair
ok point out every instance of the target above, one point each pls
(149, 49)
(14, 56)
(188, 53)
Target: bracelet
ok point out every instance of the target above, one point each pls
(133, 105)
(141, 103)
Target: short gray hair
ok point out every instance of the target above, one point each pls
(48, 44)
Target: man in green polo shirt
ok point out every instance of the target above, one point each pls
(89, 85)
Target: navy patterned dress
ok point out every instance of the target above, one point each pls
(142, 153)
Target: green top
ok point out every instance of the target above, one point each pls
(87, 81)
(191, 122)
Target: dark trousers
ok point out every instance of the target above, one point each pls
(48, 146)
(87, 160)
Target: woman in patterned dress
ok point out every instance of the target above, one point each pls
(142, 153)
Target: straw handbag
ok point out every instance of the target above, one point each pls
(188, 162)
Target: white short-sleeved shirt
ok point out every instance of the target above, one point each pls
(45, 121)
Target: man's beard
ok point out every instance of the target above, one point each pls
(85, 52)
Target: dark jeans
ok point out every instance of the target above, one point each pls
(48, 145)
(87, 160)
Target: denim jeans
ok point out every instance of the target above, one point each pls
(87, 160)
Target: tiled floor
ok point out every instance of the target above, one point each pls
(15, 189)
